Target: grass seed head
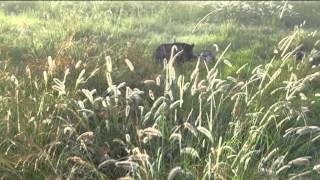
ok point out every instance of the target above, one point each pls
(150, 131)
(129, 64)
(108, 64)
(308, 130)
(106, 163)
(301, 161)
(175, 137)
(317, 168)
(174, 172)
(149, 82)
(86, 136)
(127, 165)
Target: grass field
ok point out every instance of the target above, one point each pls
(82, 98)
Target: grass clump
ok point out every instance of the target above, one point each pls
(82, 98)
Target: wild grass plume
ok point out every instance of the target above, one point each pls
(81, 96)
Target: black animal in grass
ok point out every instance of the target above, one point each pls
(164, 52)
(314, 60)
(299, 55)
(207, 56)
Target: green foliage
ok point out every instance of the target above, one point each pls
(81, 96)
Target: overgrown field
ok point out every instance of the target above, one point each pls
(82, 98)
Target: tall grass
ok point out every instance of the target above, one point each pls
(88, 110)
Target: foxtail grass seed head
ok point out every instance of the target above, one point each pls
(270, 155)
(149, 82)
(284, 7)
(189, 127)
(127, 111)
(77, 159)
(136, 151)
(127, 165)
(129, 64)
(121, 85)
(186, 86)
(173, 58)
(14, 79)
(138, 156)
(93, 72)
(157, 103)
(89, 94)
(162, 108)
(202, 89)
(66, 73)
(108, 101)
(282, 169)
(107, 163)
(241, 68)
(180, 81)
(28, 71)
(194, 74)
(175, 104)
(129, 92)
(109, 79)
(150, 131)
(45, 77)
(317, 168)
(86, 136)
(308, 130)
(126, 178)
(147, 116)
(301, 161)
(68, 131)
(205, 132)
(8, 117)
(36, 84)
(78, 64)
(174, 172)
(230, 78)
(212, 74)
(158, 80)
(108, 64)
(51, 65)
(80, 78)
(228, 63)
(190, 151)
(119, 141)
(216, 47)
(151, 95)
(128, 138)
(202, 83)
(59, 86)
(175, 137)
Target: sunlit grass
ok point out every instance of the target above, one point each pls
(81, 96)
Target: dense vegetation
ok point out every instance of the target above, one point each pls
(81, 96)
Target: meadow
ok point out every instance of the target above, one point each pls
(81, 96)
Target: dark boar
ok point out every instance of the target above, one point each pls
(299, 55)
(207, 56)
(164, 52)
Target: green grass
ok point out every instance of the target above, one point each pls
(72, 107)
